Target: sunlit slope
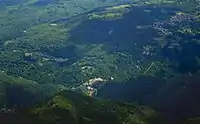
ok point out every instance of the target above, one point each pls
(116, 42)
(73, 108)
(17, 92)
(16, 16)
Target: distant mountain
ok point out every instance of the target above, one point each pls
(17, 16)
(12, 2)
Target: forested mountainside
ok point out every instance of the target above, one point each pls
(133, 39)
(48, 46)
(17, 16)
(73, 108)
(177, 99)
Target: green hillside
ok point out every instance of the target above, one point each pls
(50, 45)
(73, 108)
(17, 16)
(107, 42)
(17, 92)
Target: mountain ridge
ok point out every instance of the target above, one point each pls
(115, 43)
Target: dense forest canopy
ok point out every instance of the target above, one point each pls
(135, 51)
